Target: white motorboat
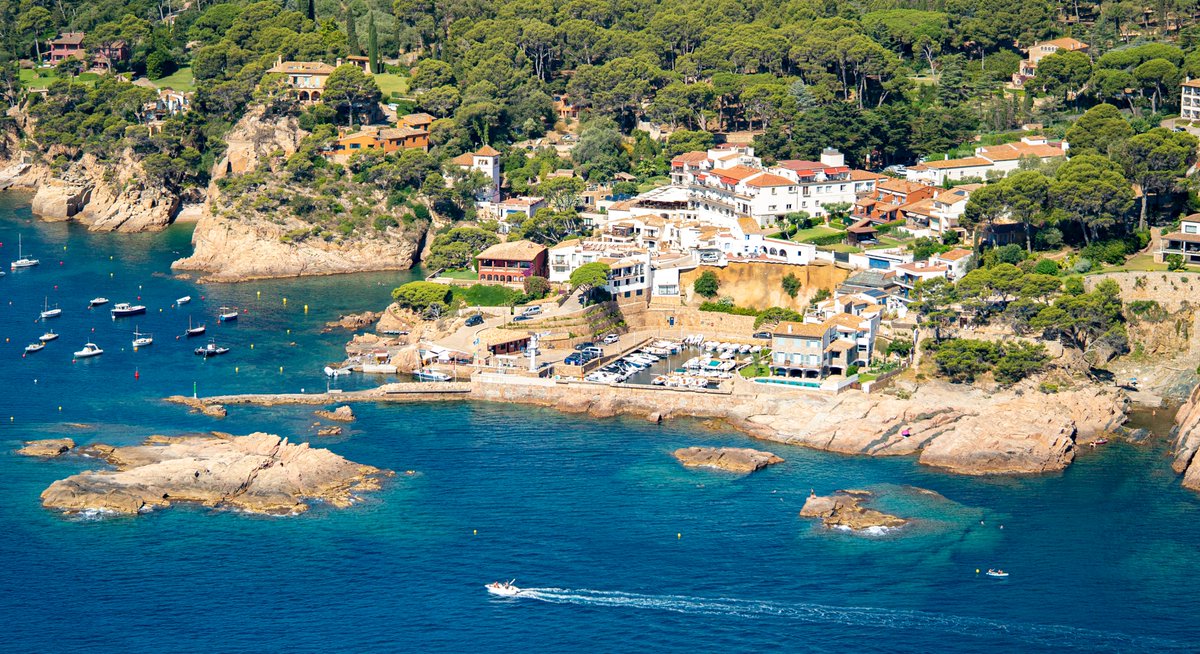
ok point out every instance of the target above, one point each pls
(431, 375)
(22, 260)
(97, 301)
(142, 340)
(211, 350)
(996, 573)
(47, 312)
(227, 314)
(184, 300)
(330, 371)
(123, 309)
(89, 350)
(48, 336)
(34, 347)
(503, 588)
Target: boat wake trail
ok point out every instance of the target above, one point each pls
(1034, 634)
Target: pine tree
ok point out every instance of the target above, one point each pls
(310, 9)
(352, 34)
(373, 44)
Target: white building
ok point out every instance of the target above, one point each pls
(487, 161)
(1003, 158)
(1189, 99)
(629, 266)
(956, 262)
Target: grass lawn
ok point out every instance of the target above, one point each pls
(486, 296)
(460, 274)
(887, 242)
(652, 183)
(1139, 263)
(180, 80)
(813, 232)
(390, 83)
(42, 77)
(840, 247)
(755, 370)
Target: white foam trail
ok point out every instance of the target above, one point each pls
(1038, 634)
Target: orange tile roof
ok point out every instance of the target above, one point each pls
(737, 173)
(901, 186)
(1066, 43)
(865, 175)
(1011, 151)
(920, 207)
(800, 329)
(844, 320)
(954, 255)
(767, 180)
(966, 162)
(513, 251)
(464, 159)
(690, 157)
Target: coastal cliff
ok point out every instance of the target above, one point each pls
(957, 428)
(258, 473)
(263, 221)
(1187, 441)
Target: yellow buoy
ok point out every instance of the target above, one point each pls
(976, 570)
(474, 532)
(60, 408)
(280, 368)
(235, 370)
(679, 535)
(252, 346)
(285, 302)
(259, 293)
(306, 308)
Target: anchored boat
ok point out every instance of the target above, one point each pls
(89, 350)
(22, 260)
(142, 340)
(47, 312)
(227, 314)
(124, 309)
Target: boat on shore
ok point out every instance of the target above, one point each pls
(34, 347)
(89, 350)
(503, 588)
(211, 350)
(48, 336)
(124, 309)
(97, 301)
(141, 340)
(431, 375)
(227, 314)
(22, 260)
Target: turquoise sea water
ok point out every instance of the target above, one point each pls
(627, 550)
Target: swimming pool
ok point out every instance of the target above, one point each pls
(787, 382)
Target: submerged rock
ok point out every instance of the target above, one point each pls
(844, 510)
(354, 321)
(48, 448)
(197, 404)
(341, 414)
(330, 431)
(731, 459)
(258, 473)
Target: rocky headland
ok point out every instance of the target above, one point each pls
(47, 448)
(845, 510)
(247, 230)
(729, 459)
(341, 414)
(258, 473)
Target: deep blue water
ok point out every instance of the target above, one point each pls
(629, 550)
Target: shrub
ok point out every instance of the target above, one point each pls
(828, 239)
(1175, 262)
(1046, 267)
(791, 285)
(536, 287)
(851, 370)
(707, 284)
(776, 315)
(423, 296)
(732, 309)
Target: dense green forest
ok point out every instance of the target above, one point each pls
(884, 81)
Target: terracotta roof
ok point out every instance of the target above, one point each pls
(922, 269)
(844, 320)
(1179, 236)
(957, 194)
(465, 159)
(69, 38)
(865, 175)
(900, 186)
(954, 255)
(302, 67)
(689, 158)
(750, 226)
(1194, 83)
(940, 164)
(495, 336)
(920, 207)
(417, 119)
(800, 329)
(1066, 43)
(571, 242)
(487, 151)
(513, 251)
(1010, 151)
(767, 180)
(736, 173)
(841, 345)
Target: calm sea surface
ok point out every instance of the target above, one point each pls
(627, 551)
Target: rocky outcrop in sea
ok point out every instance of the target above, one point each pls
(729, 459)
(258, 473)
(1187, 441)
(845, 510)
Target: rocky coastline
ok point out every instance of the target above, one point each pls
(1187, 441)
(258, 473)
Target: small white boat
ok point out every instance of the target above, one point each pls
(503, 588)
(330, 371)
(34, 347)
(97, 301)
(47, 312)
(48, 336)
(996, 573)
(227, 314)
(122, 309)
(142, 340)
(193, 331)
(89, 350)
(22, 260)
(431, 375)
(184, 300)
(211, 350)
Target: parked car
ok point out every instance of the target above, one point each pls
(574, 359)
(764, 335)
(584, 345)
(476, 319)
(611, 338)
(521, 317)
(532, 311)
(593, 352)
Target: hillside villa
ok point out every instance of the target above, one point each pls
(511, 262)
(1185, 242)
(1039, 51)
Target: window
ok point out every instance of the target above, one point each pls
(1191, 229)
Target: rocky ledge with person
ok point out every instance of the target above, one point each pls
(258, 473)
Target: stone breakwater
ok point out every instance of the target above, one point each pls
(258, 473)
(958, 428)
